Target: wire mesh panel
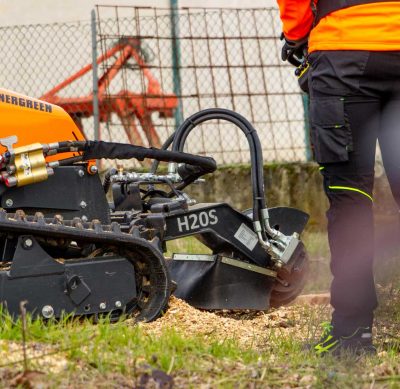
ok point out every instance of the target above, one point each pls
(228, 58)
(152, 73)
(36, 58)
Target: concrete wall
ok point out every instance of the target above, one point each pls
(293, 185)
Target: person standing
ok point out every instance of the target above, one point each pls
(353, 52)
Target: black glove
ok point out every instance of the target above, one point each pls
(302, 74)
(294, 51)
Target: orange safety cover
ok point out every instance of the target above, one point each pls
(33, 121)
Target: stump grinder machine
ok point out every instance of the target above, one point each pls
(67, 249)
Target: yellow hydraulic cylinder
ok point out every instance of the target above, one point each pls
(30, 164)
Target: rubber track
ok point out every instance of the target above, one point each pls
(95, 233)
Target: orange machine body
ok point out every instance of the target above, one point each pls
(33, 121)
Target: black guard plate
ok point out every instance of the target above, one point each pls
(216, 285)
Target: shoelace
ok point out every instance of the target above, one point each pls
(325, 345)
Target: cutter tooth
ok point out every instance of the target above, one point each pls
(20, 215)
(134, 231)
(96, 225)
(3, 214)
(39, 218)
(115, 227)
(77, 223)
(58, 219)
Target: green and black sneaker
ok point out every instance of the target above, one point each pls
(357, 344)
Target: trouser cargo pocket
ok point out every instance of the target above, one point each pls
(330, 131)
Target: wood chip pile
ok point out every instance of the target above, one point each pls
(249, 329)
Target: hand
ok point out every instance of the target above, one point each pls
(294, 51)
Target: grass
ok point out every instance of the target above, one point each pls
(72, 353)
(115, 355)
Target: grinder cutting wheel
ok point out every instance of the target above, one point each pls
(67, 250)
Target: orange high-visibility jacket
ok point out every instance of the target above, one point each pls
(372, 26)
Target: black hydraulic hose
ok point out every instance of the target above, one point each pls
(62, 150)
(70, 161)
(111, 150)
(165, 146)
(107, 179)
(79, 145)
(231, 116)
(257, 176)
(100, 149)
(183, 132)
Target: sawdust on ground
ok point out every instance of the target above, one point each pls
(250, 329)
(40, 356)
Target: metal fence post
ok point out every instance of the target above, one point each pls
(176, 60)
(307, 141)
(95, 77)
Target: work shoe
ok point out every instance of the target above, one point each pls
(357, 344)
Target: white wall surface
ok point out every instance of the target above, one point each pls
(14, 12)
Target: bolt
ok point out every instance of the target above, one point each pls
(118, 304)
(93, 169)
(9, 203)
(47, 311)
(28, 243)
(83, 204)
(102, 306)
(81, 173)
(191, 202)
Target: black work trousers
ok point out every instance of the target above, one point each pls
(354, 101)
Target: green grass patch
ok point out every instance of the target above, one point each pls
(109, 355)
(123, 354)
(186, 245)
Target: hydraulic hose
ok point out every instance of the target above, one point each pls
(165, 146)
(257, 176)
(107, 179)
(111, 150)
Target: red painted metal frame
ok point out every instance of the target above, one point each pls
(125, 104)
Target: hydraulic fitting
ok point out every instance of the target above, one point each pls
(28, 166)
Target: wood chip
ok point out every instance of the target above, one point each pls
(250, 329)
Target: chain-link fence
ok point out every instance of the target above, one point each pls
(35, 58)
(218, 58)
(155, 68)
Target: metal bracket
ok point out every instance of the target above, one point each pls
(248, 266)
(77, 289)
(225, 260)
(9, 142)
(31, 260)
(194, 257)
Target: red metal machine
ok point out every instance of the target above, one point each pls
(125, 104)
